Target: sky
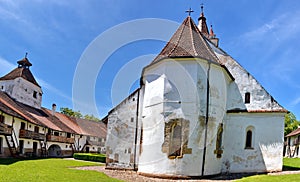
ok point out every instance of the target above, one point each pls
(60, 35)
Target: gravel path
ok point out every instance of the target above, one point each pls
(133, 176)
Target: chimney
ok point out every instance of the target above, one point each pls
(53, 109)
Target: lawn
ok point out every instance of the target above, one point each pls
(48, 170)
(288, 164)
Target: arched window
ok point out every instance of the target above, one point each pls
(249, 139)
(250, 136)
(247, 97)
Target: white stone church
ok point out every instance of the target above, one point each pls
(197, 113)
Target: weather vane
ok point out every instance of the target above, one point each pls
(189, 11)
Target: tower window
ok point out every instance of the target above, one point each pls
(247, 97)
(34, 94)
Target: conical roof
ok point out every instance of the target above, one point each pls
(187, 41)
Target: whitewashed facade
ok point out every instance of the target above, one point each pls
(200, 113)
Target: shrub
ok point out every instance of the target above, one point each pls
(90, 157)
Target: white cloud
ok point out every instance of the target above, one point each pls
(48, 86)
(295, 102)
(5, 67)
(279, 29)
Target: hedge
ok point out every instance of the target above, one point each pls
(90, 157)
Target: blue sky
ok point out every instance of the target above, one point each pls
(261, 35)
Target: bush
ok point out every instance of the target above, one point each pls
(90, 157)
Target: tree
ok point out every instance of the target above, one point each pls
(77, 114)
(290, 123)
(70, 112)
(91, 117)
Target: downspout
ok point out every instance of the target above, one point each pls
(206, 119)
(136, 131)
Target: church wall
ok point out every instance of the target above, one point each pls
(260, 99)
(218, 98)
(23, 91)
(121, 129)
(183, 81)
(265, 153)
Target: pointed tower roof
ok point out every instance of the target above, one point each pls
(187, 41)
(21, 71)
(202, 23)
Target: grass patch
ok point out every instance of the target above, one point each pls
(48, 170)
(289, 164)
(268, 178)
(90, 157)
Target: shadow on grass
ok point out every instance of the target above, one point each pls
(290, 168)
(8, 161)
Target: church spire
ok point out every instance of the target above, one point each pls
(202, 23)
(24, 63)
(211, 32)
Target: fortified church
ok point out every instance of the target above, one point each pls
(197, 112)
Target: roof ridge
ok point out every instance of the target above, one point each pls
(205, 42)
(176, 44)
(187, 42)
(192, 37)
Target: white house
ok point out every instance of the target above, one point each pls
(27, 129)
(292, 143)
(197, 113)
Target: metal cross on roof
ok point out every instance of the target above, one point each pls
(189, 11)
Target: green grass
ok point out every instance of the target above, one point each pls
(268, 178)
(291, 164)
(288, 164)
(48, 170)
(90, 157)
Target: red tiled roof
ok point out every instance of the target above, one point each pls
(258, 111)
(21, 72)
(187, 41)
(9, 111)
(293, 133)
(44, 117)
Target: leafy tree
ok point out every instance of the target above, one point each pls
(91, 117)
(77, 114)
(290, 123)
(70, 112)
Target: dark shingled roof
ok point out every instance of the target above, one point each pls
(20, 72)
(24, 62)
(92, 128)
(187, 41)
